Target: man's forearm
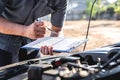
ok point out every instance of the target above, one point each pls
(33, 31)
(58, 30)
(7, 27)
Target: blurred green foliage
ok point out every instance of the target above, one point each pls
(117, 7)
(100, 7)
(97, 7)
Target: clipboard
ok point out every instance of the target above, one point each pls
(59, 44)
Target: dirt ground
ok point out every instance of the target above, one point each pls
(101, 33)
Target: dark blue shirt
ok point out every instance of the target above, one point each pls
(25, 12)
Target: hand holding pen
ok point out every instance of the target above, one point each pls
(39, 20)
(34, 30)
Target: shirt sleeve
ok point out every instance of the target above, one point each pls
(2, 6)
(58, 17)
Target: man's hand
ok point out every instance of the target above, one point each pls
(46, 50)
(35, 30)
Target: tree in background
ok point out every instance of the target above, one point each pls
(117, 9)
(104, 10)
(98, 8)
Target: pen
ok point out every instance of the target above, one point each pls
(39, 20)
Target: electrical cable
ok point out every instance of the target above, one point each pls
(89, 24)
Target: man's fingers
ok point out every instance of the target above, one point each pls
(39, 23)
(47, 50)
(39, 31)
(50, 50)
(42, 49)
(39, 28)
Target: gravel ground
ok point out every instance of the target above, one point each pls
(101, 33)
